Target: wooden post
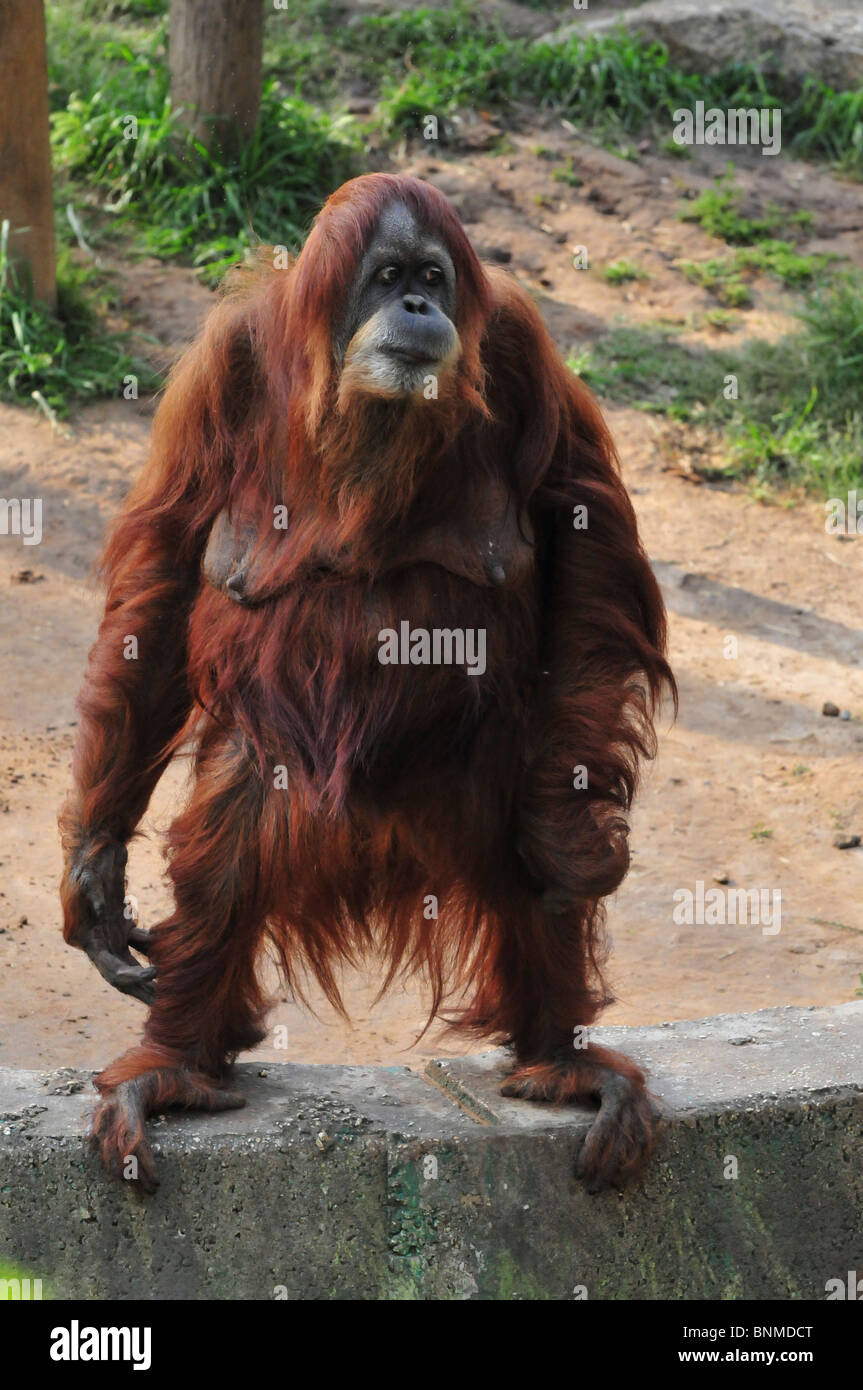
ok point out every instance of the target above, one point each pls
(214, 54)
(25, 151)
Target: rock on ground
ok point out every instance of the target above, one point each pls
(789, 40)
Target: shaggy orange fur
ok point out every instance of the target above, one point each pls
(402, 782)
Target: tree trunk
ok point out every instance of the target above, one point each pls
(25, 151)
(214, 53)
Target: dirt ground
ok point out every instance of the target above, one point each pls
(752, 782)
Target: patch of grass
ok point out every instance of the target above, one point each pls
(828, 125)
(797, 418)
(429, 61)
(720, 277)
(115, 9)
(670, 146)
(613, 84)
(306, 48)
(833, 323)
(86, 42)
(781, 259)
(721, 319)
(622, 272)
(70, 356)
(718, 211)
(649, 369)
(440, 61)
(800, 448)
(184, 199)
(565, 173)
(436, 62)
(761, 832)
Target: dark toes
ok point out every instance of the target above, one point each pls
(522, 1087)
(623, 1132)
(117, 1129)
(619, 1142)
(117, 1134)
(518, 1088)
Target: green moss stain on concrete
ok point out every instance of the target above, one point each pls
(413, 1222)
(511, 1282)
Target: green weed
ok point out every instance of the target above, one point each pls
(62, 357)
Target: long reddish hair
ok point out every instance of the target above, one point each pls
(244, 424)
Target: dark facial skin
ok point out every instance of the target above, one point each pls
(398, 327)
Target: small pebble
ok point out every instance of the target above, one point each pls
(829, 709)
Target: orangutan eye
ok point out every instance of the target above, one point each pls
(388, 276)
(432, 275)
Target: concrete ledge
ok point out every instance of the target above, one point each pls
(377, 1183)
